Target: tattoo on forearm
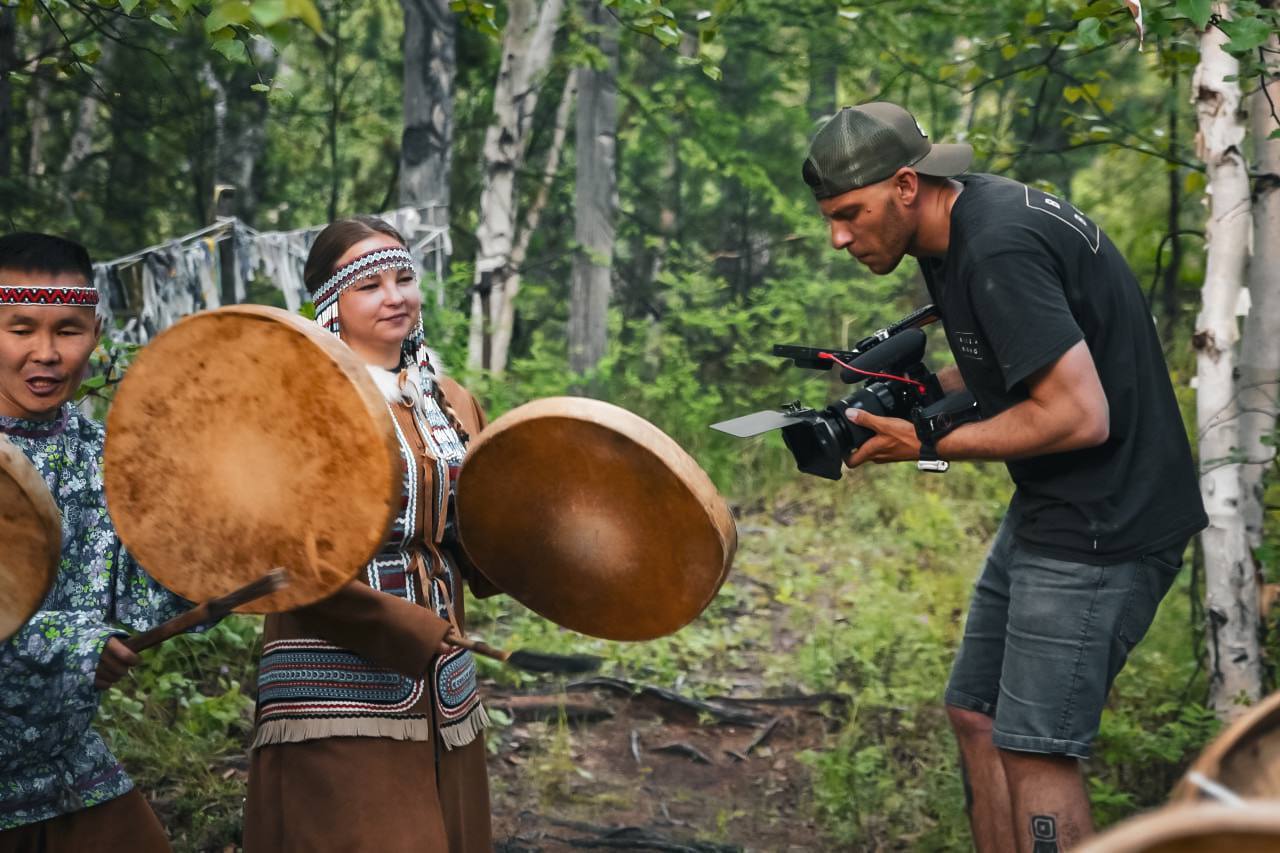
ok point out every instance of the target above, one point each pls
(1044, 834)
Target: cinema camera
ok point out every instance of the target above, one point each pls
(898, 385)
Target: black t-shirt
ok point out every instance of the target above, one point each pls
(1027, 276)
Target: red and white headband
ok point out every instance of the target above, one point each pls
(44, 295)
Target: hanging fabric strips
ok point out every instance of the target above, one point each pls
(146, 291)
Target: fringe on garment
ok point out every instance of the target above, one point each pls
(464, 731)
(296, 731)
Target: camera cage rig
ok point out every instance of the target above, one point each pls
(819, 439)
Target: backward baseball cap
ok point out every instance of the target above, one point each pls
(864, 145)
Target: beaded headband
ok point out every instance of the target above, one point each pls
(24, 295)
(372, 263)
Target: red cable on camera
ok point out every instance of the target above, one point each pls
(919, 385)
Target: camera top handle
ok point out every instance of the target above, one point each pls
(808, 357)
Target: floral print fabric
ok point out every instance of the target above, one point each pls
(51, 760)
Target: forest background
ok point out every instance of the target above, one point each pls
(681, 127)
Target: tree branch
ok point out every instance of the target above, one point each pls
(84, 70)
(1155, 279)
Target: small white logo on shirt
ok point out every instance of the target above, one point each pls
(1045, 203)
(967, 345)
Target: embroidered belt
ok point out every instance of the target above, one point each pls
(312, 678)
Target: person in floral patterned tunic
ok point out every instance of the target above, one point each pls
(60, 787)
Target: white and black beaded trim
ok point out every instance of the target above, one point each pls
(371, 264)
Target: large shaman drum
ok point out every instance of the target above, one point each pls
(248, 438)
(594, 518)
(1245, 758)
(1200, 828)
(30, 539)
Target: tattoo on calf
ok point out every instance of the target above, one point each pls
(1044, 834)
(968, 787)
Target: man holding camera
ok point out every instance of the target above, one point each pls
(1052, 336)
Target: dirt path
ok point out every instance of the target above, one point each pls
(598, 767)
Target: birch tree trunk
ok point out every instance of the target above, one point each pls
(430, 67)
(246, 130)
(1259, 370)
(334, 92)
(506, 324)
(1231, 591)
(526, 53)
(81, 138)
(669, 212)
(595, 195)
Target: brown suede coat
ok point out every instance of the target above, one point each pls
(379, 793)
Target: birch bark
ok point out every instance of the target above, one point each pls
(526, 55)
(1231, 591)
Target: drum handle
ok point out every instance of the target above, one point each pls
(209, 611)
(521, 658)
(529, 661)
(453, 638)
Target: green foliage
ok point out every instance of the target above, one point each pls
(896, 594)
(480, 14)
(1197, 11)
(1089, 34)
(107, 365)
(226, 23)
(181, 723)
(1248, 33)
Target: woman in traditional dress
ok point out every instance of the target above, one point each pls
(369, 728)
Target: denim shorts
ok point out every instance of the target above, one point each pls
(1045, 638)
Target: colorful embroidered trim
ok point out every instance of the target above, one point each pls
(312, 678)
(461, 716)
(17, 295)
(456, 683)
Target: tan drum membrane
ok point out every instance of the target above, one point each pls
(30, 539)
(247, 438)
(594, 518)
(1201, 828)
(1245, 757)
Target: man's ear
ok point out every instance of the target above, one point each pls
(906, 183)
